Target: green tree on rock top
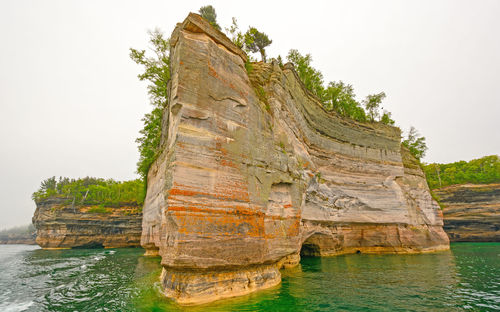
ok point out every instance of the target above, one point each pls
(257, 41)
(372, 105)
(156, 70)
(208, 13)
(387, 118)
(236, 36)
(415, 143)
(340, 97)
(311, 77)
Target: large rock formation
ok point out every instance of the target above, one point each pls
(253, 170)
(471, 212)
(60, 224)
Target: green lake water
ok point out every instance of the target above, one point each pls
(466, 278)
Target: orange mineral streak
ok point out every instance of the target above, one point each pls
(230, 194)
(207, 223)
(228, 219)
(228, 163)
(294, 228)
(212, 72)
(239, 211)
(224, 231)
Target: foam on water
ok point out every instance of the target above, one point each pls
(465, 278)
(15, 306)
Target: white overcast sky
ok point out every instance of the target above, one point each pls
(71, 104)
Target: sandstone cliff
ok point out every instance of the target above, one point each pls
(254, 172)
(60, 224)
(471, 212)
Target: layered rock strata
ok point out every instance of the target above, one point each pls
(471, 212)
(60, 224)
(253, 172)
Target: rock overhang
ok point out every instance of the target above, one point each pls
(244, 180)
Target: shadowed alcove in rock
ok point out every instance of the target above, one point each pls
(319, 244)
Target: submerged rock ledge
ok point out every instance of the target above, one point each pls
(245, 183)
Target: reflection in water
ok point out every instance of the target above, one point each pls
(360, 282)
(466, 278)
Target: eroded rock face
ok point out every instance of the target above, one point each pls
(253, 170)
(471, 212)
(59, 224)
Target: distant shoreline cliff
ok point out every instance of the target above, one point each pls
(18, 238)
(471, 212)
(88, 212)
(60, 224)
(469, 193)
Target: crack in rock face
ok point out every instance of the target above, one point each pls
(254, 173)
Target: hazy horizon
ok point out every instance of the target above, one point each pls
(71, 104)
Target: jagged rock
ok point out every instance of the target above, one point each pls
(60, 224)
(471, 212)
(252, 170)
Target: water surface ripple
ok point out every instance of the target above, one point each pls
(467, 278)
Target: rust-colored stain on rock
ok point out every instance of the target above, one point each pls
(241, 190)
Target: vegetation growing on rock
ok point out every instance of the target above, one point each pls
(415, 143)
(156, 71)
(257, 41)
(484, 170)
(208, 13)
(311, 77)
(242, 199)
(338, 96)
(92, 191)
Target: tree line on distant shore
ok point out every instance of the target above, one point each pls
(92, 191)
(17, 230)
(477, 171)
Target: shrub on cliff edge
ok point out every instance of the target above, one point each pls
(208, 13)
(156, 71)
(338, 96)
(415, 143)
(257, 41)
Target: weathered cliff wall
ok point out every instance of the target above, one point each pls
(471, 212)
(253, 170)
(59, 224)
